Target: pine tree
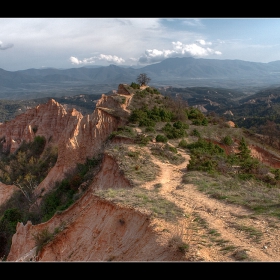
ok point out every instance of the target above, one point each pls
(245, 152)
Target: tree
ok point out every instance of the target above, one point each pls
(143, 79)
(27, 187)
(245, 152)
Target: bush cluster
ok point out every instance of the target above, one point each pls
(209, 157)
(196, 116)
(135, 85)
(149, 118)
(31, 161)
(177, 130)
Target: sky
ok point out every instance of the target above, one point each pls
(77, 42)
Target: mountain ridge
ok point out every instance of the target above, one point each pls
(177, 72)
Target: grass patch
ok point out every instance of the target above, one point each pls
(45, 236)
(167, 153)
(261, 198)
(241, 255)
(157, 186)
(182, 233)
(135, 162)
(228, 248)
(143, 199)
(252, 232)
(214, 232)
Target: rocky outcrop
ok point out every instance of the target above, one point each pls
(230, 123)
(77, 137)
(228, 112)
(122, 89)
(48, 120)
(81, 139)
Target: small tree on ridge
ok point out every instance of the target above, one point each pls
(143, 79)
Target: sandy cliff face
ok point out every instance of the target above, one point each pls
(94, 229)
(82, 138)
(48, 120)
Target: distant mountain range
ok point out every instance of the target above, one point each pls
(175, 72)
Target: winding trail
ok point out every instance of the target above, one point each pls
(227, 230)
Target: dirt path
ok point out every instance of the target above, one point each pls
(222, 231)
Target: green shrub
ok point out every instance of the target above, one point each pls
(180, 124)
(142, 139)
(145, 117)
(42, 238)
(227, 140)
(205, 156)
(196, 133)
(172, 149)
(245, 152)
(135, 85)
(147, 122)
(194, 113)
(63, 194)
(204, 122)
(161, 138)
(183, 143)
(38, 144)
(8, 225)
(150, 129)
(172, 132)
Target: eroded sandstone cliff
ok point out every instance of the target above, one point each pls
(95, 229)
(92, 229)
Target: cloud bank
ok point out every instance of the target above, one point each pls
(200, 48)
(93, 59)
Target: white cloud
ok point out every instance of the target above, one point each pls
(101, 57)
(196, 49)
(111, 58)
(75, 60)
(5, 46)
(203, 42)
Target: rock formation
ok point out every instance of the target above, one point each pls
(48, 120)
(92, 229)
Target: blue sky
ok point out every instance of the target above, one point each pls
(76, 42)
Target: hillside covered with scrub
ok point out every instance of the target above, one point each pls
(144, 177)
